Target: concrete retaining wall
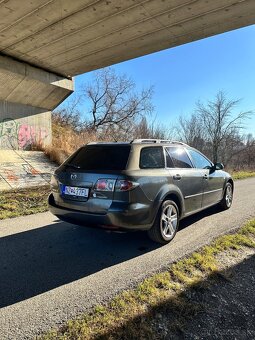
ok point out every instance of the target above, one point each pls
(20, 131)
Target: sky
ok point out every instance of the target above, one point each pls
(195, 71)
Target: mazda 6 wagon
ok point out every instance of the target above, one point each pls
(142, 185)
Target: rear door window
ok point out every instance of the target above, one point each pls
(178, 157)
(101, 157)
(152, 158)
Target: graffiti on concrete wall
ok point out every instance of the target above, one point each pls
(15, 135)
(21, 175)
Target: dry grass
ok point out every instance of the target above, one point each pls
(133, 313)
(64, 142)
(23, 202)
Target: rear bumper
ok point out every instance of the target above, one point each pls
(119, 216)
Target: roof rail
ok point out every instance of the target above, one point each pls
(177, 142)
(158, 141)
(109, 143)
(136, 141)
(93, 143)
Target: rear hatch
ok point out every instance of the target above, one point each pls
(87, 179)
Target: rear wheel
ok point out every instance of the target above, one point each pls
(166, 223)
(227, 199)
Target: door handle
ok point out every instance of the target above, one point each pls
(177, 177)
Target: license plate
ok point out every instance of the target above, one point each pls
(76, 191)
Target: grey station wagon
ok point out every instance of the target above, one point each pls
(143, 185)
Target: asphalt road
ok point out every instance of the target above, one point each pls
(51, 271)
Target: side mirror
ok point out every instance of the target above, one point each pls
(218, 166)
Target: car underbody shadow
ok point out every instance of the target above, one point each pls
(216, 209)
(38, 260)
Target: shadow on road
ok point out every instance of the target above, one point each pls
(38, 260)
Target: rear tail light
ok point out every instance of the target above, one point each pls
(105, 184)
(124, 185)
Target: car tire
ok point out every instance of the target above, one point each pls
(166, 223)
(227, 199)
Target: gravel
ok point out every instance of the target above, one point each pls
(227, 305)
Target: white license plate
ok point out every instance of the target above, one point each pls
(75, 191)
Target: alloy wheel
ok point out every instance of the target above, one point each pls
(169, 221)
(229, 195)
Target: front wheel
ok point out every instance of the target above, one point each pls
(227, 199)
(166, 224)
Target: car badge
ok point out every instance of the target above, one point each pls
(73, 176)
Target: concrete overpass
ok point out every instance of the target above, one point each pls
(44, 43)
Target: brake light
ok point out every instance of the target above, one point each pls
(105, 184)
(124, 185)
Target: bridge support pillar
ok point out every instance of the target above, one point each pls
(27, 97)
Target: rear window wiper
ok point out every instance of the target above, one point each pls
(73, 166)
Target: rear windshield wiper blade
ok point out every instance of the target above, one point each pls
(73, 166)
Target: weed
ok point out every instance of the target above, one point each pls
(242, 174)
(23, 202)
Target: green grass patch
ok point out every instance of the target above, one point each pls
(134, 313)
(242, 174)
(23, 202)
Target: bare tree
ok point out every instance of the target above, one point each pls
(248, 156)
(219, 122)
(215, 129)
(142, 129)
(191, 131)
(69, 115)
(231, 148)
(153, 129)
(113, 102)
(114, 108)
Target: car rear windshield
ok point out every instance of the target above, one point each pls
(101, 157)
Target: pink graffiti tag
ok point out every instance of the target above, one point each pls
(28, 135)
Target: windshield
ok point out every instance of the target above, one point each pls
(101, 157)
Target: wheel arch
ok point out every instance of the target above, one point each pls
(174, 197)
(155, 232)
(228, 180)
(173, 193)
(170, 192)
